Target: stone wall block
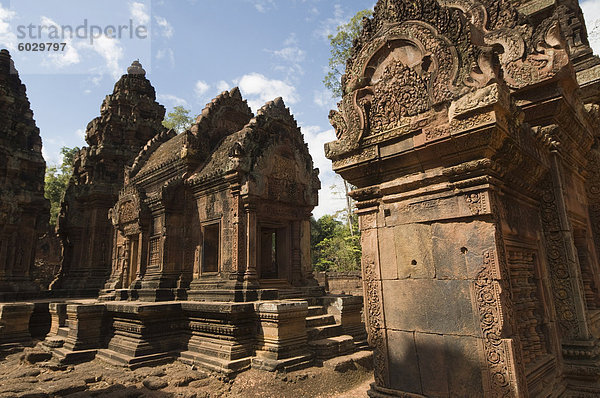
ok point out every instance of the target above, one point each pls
(14, 323)
(86, 326)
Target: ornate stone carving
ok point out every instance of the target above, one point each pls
(375, 319)
(559, 264)
(24, 211)
(498, 352)
(129, 118)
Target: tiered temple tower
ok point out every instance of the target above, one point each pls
(129, 117)
(24, 211)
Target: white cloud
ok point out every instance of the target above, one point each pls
(61, 59)
(259, 90)
(172, 100)
(166, 53)
(290, 58)
(139, 14)
(324, 99)
(329, 200)
(80, 133)
(165, 26)
(201, 88)
(290, 54)
(263, 5)
(329, 25)
(110, 49)
(591, 13)
(222, 85)
(7, 38)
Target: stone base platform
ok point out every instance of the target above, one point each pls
(223, 337)
(14, 324)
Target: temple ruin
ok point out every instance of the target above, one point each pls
(220, 212)
(470, 130)
(129, 117)
(208, 243)
(24, 212)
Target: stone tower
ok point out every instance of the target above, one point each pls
(129, 117)
(470, 129)
(24, 211)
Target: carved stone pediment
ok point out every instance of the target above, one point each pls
(414, 58)
(127, 213)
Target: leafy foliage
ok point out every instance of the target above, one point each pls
(56, 181)
(178, 119)
(334, 248)
(341, 45)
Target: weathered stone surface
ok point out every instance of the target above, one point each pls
(37, 356)
(347, 282)
(155, 383)
(129, 117)
(14, 323)
(24, 211)
(402, 356)
(211, 212)
(447, 308)
(478, 196)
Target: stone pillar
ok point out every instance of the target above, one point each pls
(58, 314)
(86, 327)
(14, 324)
(281, 342)
(251, 243)
(305, 254)
(229, 346)
(142, 333)
(347, 312)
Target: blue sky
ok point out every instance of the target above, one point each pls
(193, 50)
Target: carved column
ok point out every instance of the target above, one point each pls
(251, 243)
(296, 264)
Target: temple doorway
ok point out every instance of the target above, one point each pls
(273, 256)
(268, 253)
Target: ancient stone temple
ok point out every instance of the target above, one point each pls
(220, 212)
(470, 130)
(129, 117)
(24, 211)
(211, 255)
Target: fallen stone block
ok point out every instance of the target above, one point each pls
(155, 383)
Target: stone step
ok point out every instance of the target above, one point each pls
(53, 342)
(63, 331)
(315, 310)
(285, 294)
(360, 359)
(66, 356)
(319, 320)
(332, 346)
(322, 332)
(124, 360)
(287, 364)
(214, 364)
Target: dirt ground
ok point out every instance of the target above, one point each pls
(30, 373)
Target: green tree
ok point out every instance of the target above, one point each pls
(178, 119)
(341, 45)
(334, 246)
(56, 181)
